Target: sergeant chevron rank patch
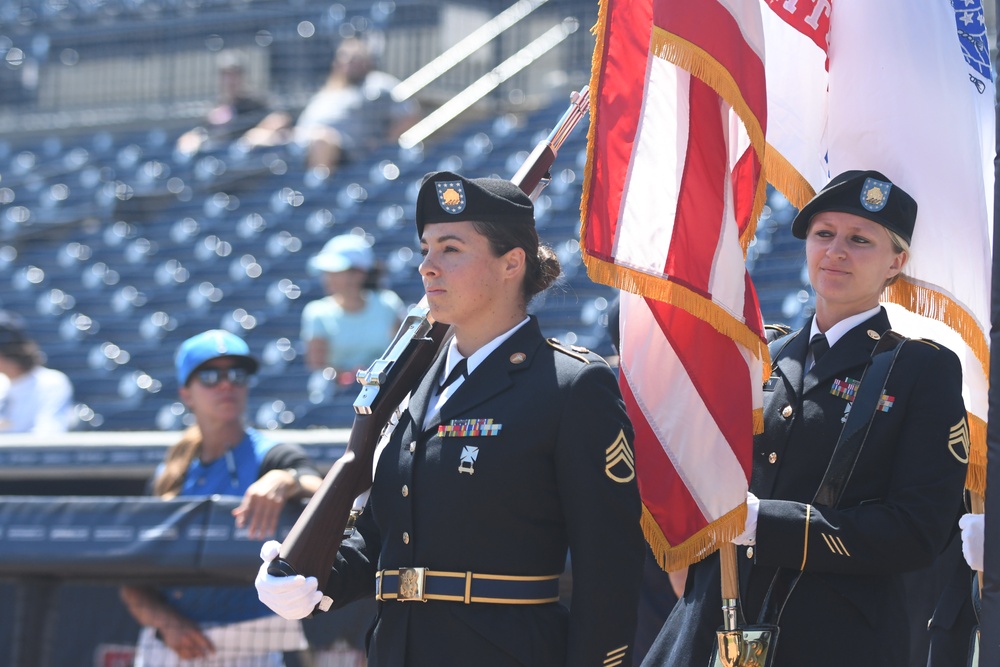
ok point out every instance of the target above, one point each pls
(958, 441)
(619, 462)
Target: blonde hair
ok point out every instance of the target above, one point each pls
(900, 245)
(176, 464)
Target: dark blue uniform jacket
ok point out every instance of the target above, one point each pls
(557, 474)
(896, 514)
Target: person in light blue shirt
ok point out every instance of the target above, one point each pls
(354, 323)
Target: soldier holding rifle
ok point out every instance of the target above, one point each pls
(510, 450)
(825, 543)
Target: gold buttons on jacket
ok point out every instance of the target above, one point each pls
(786, 411)
(749, 552)
(771, 458)
(406, 538)
(405, 490)
(413, 446)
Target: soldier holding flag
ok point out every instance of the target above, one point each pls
(821, 552)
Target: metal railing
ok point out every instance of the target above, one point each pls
(136, 63)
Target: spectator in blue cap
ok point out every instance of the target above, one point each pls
(354, 323)
(220, 455)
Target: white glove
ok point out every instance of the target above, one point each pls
(972, 526)
(289, 597)
(749, 535)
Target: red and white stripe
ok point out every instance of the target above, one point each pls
(673, 190)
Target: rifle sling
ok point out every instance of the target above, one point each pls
(842, 461)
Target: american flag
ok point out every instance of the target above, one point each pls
(672, 192)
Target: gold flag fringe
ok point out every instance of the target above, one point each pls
(598, 31)
(701, 64)
(697, 547)
(975, 477)
(661, 289)
(758, 416)
(935, 305)
(786, 178)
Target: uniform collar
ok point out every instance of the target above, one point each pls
(837, 331)
(477, 357)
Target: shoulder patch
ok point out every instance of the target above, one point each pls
(619, 461)
(574, 351)
(958, 441)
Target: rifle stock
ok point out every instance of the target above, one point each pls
(311, 546)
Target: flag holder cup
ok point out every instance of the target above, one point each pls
(751, 646)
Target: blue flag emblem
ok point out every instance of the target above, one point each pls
(971, 23)
(875, 194)
(451, 196)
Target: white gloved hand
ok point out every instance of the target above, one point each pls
(972, 526)
(289, 597)
(749, 535)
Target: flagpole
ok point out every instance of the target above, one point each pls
(731, 641)
(989, 622)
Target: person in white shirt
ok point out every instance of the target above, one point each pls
(33, 398)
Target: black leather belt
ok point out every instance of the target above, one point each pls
(419, 584)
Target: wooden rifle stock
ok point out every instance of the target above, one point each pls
(310, 549)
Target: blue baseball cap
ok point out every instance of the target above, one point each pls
(209, 345)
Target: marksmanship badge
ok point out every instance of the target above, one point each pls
(467, 461)
(451, 196)
(875, 194)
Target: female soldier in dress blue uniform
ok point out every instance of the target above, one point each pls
(899, 504)
(512, 449)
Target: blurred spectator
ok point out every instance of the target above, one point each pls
(33, 398)
(350, 115)
(221, 626)
(237, 110)
(353, 325)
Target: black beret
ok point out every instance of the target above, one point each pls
(447, 197)
(868, 194)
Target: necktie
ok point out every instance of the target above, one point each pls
(818, 346)
(458, 371)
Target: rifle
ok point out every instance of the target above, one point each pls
(311, 546)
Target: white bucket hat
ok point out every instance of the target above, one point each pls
(347, 251)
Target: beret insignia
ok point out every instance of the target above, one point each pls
(875, 194)
(451, 196)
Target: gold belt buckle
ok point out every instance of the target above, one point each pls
(411, 584)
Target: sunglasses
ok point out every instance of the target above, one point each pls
(209, 377)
